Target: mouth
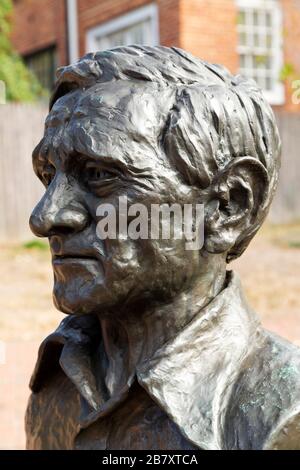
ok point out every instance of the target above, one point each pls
(65, 259)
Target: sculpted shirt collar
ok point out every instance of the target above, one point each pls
(189, 377)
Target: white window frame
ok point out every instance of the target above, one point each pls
(148, 12)
(277, 95)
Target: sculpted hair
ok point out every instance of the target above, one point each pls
(214, 117)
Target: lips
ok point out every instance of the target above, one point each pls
(72, 258)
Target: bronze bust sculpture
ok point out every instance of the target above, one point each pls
(160, 349)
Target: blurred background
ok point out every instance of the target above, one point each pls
(257, 38)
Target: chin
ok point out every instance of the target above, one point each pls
(82, 289)
(83, 298)
(74, 302)
(79, 289)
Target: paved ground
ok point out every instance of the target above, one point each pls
(269, 270)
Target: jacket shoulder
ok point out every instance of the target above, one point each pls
(264, 405)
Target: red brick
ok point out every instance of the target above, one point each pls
(39, 24)
(206, 28)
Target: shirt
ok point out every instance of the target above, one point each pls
(222, 383)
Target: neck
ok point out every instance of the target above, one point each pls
(134, 336)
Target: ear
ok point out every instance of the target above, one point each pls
(234, 202)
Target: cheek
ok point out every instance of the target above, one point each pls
(122, 259)
(172, 266)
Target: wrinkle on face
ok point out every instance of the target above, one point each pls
(117, 124)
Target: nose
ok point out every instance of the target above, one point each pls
(58, 212)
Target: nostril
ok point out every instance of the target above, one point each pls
(69, 220)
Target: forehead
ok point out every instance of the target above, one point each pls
(122, 120)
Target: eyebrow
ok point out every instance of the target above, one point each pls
(40, 156)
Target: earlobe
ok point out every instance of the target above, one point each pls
(234, 202)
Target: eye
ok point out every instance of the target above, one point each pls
(48, 174)
(94, 174)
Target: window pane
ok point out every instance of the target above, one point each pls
(250, 61)
(257, 38)
(262, 18)
(242, 61)
(249, 17)
(261, 61)
(135, 34)
(261, 81)
(269, 83)
(43, 65)
(269, 41)
(241, 17)
(242, 38)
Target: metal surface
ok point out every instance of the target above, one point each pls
(160, 350)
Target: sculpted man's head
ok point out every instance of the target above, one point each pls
(156, 125)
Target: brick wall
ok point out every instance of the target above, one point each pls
(208, 30)
(38, 24)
